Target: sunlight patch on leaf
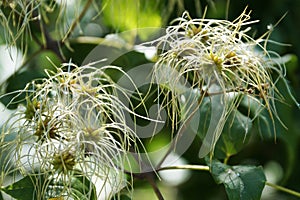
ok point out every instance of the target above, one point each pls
(131, 14)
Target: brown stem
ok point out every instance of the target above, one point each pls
(77, 20)
(149, 176)
(152, 182)
(52, 45)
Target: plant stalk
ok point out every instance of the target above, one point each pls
(206, 168)
(283, 189)
(76, 21)
(191, 167)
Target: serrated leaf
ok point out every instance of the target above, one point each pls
(241, 182)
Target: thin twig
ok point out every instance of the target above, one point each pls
(227, 9)
(150, 179)
(52, 45)
(149, 176)
(283, 189)
(77, 20)
(191, 167)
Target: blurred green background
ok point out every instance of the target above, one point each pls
(279, 158)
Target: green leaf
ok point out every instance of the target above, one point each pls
(218, 113)
(262, 121)
(23, 189)
(234, 136)
(15, 83)
(83, 188)
(205, 115)
(121, 197)
(241, 182)
(235, 133)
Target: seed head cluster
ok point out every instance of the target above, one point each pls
(216, 58)
(72, 123)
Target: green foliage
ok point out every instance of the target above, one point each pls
(82, 188)
(220, 83)
(130, 14)
(23, 189)
(27, 188)
(241, 182)
(235, 135)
